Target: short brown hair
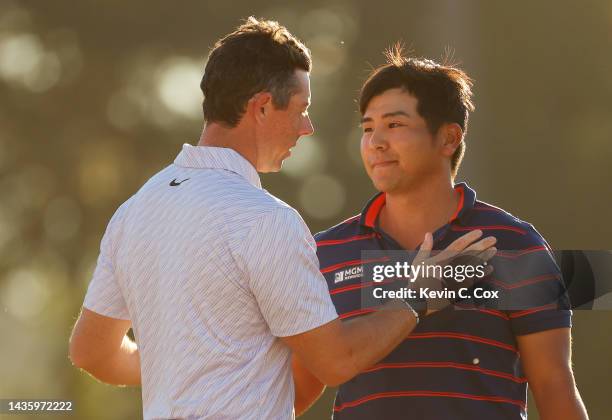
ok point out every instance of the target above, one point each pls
(260, 55)
(443, 92)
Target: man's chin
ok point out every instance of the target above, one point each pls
(270, 168)
(384, 186)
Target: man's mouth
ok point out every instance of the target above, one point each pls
(383, 163)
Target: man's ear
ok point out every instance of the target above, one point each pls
(451, 136)
(259, 105)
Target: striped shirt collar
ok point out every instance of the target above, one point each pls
(205, 157)
(467, 198)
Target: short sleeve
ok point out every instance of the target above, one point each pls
(104, 294)
(279, 258)
(544, 300)
(535, 295)
(546, 319)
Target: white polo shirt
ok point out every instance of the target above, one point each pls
(211, 269)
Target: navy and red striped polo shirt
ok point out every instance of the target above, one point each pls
(456, 364)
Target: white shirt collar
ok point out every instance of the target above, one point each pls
(205, 157)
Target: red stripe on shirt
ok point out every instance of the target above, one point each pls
(525, 282)
(463, 337)
(515, 254)
(489, 227)
(450, 365)
(533, 310)
(345, 240)
(371, 397)
(357, 312)
(374, 210)
(493, 312)
(459, 205)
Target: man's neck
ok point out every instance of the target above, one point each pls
(409, 214)
(237, 138)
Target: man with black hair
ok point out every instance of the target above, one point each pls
(467, 361)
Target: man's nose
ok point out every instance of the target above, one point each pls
(307, 127)
(377, 140)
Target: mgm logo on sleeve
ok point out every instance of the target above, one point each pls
(348, 274)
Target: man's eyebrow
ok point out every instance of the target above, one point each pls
(387, 115)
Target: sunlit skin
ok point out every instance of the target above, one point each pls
(410, 164)
(279, 129)
(265, 134)
(398, 151)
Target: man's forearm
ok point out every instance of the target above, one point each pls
(308, 388)
(339, 350)
(559, 399)
(122, 368)
(361, 342)
(370, 338)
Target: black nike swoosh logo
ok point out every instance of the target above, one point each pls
(174, 183)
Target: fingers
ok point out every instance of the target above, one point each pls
(467, 249)
(425, 249)
(488, 253)
(482, 245)
(482, 250)
(466, 240)
(458, 245)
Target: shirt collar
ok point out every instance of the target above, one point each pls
(467, 198)
(205, 157)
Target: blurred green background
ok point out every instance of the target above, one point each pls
(98, 96)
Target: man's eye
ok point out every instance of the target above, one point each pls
(367, 129)
(394, 125)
